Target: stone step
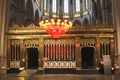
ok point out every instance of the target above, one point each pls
(68, 71)
(87, 71)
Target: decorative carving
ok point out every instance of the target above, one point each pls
(30, 27)
(15, 41)
(60, 41)
(97, 28)
(31, 42)
(105, 40)
(59, 64)
(87, 42)
(23, 29)
(14, 64)
(33, 28)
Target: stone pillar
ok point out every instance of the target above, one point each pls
(106, 11)
(98, 13)
(116, 13)
(41, 53)
(112, 51)
(8, 53)
(22, 54)
(77, 52)
(3, 28)
(97, 53)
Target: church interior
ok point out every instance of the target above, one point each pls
(67, 36)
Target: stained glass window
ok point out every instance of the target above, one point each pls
(45, 5)
(65, 6)
(86, 4)
(54, 3)
(77, 5)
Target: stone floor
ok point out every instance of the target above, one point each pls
(31, 75)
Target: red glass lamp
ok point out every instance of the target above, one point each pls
(55, 27)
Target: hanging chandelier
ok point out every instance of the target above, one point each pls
(55, 27)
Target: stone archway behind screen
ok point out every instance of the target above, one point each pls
(76, 23)
(85, 22)
(29, 13)
(36, 19)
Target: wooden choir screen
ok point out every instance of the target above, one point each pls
(15, 56)
(59, 52)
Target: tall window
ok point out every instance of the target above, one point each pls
(65, 6)
(77, 5)
(45, 5)
(86, 4)
(54, 5)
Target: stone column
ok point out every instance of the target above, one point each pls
(97, 53)
(103, 5)
(106, 11)
(112, 50)
(41, 53)
(3, 28)
(22, 54)
(77, 52)
(8, 53)
(116, 13)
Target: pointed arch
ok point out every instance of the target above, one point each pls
(29, 12)
(36, 20)
(85, 21)
(21, 5)
(66, 6)
(17, 15)
(76, 23)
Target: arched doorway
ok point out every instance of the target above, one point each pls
(32, 58)
(87, 54)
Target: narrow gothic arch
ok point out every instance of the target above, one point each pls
(36, 19)
(29, 12)
(21, 5)
(76, 23)
(85, 21)
(17, 15)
